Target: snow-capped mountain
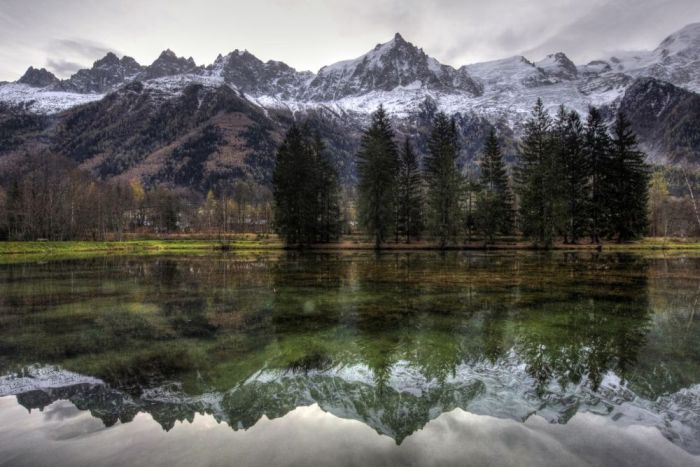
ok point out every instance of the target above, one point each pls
(676, 60)
(183, 124)
(396, 73)
(394, 65)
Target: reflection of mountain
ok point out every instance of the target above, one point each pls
(405, 404)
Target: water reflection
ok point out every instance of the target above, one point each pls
(393, 341)
(310, 436)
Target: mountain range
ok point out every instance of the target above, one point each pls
(178, 123)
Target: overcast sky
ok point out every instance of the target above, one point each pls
(65, 35)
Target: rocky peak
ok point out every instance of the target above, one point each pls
(168, 64)
(253, 76)
(105, 75)
(558, 66)
(108, 60)
(388, 66)
(38, 77)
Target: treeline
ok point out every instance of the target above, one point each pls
(573, 180)
(48, 197)
(576, 180)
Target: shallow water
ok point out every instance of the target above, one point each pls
(505, 358)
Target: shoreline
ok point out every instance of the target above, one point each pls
(22, 249)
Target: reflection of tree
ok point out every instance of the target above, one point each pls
(571, 340)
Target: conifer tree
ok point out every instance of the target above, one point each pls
(328, 194)
(629, 183)
(410, 199)
(534, 176)
(572, 172)
(597, 151)
(377, 168)
(305, 190)
(443, 179)
(495, 202)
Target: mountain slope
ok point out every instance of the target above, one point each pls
(195, 139)
(666, 118)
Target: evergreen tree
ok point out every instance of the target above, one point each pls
(328, 194)
(410, 199)
(305, 190)
(535, 175)
(377, 168)
(495, 202)
(597, 152)
(471, 192)
(572, 169)
(443, 179)
(629, 183)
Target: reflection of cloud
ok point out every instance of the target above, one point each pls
(60, 412)
(63, 67)
(309, 436)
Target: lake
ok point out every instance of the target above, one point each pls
(420, 358)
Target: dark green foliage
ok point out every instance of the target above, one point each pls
(328, 193)
(377, 168)
(629, 183)
(574, 180)
(444, 180)
(572, 170)
(597, 149)
(410, 198)
(535, 176)
(494, 201)
(305, 190)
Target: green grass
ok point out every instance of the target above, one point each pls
(12, 251)
(15, 251)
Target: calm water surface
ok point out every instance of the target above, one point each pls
(351, 359)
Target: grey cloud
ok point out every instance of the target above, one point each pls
(619, 25)
(63, 67)
(80, 47)
(66, 56)
(308, 34)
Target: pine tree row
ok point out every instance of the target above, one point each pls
(575, 180)
(572, 180)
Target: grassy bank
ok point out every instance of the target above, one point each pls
(79, 248)
(251, 243)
